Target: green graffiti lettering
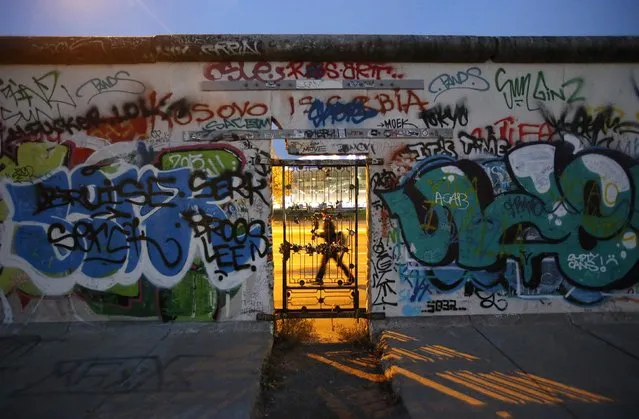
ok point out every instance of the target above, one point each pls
(577, 208)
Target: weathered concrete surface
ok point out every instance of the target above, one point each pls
(253, 47)
(186, 370)
(550, 366)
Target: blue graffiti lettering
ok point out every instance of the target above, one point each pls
(354, 112)
(101, 229)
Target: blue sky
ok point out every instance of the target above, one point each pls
(419, 17)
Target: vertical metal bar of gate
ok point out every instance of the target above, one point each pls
(356, 290)
(284, 291)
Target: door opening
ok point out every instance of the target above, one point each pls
(320, 237)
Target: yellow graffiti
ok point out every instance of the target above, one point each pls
(33, 160)
(593, 110)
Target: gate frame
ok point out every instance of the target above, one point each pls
(324, 313)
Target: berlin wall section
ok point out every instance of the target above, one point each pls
(494, 187)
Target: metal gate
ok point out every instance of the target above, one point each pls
(320, 217)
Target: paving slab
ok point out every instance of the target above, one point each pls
(186, 370)
(548, 366)
(612, 331)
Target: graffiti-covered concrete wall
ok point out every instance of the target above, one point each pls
(493, 188)
(521, 201)
(107, 212)
(528, 206)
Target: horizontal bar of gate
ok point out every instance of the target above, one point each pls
(358, 314)
(322, 163)
(322, 287)
(316, 314)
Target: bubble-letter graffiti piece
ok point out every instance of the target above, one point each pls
(580, 206)
(97, 228)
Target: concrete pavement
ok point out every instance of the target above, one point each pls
(551, 366)
(132, 370)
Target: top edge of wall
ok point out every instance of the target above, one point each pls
(372, 48)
